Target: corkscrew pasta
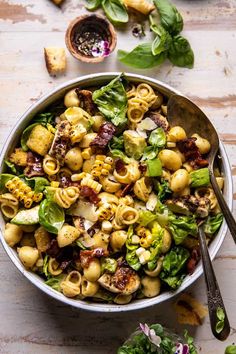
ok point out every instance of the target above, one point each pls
(105, 193)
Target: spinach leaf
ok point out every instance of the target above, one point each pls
(120, 155)
(44, 118)
(149, 153)
(93, 4)
(11, 167)
(38, 184)
(112, 101)
(54, 282)
(181, 227)
(213, 223)
(162, 41)
(157, 138)
(141, 57)
(25, 136)
(171, 19)
(117, 143)
(180, 52)
(51, 216)
(173, 265)
(115, 11)
(4, 178)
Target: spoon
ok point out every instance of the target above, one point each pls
(214, 298)
(181, 111)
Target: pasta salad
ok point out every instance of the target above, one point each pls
(103, 199)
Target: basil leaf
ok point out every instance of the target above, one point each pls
(115, 11)
(149, 153)
(157, 138)
(44, 118)
(171, 19)
(25, 136)
(141, 57)
(112, 101)
(162, 41)
(120, 155)
(220, 326)
(220, 314)
(38, 184)
(11, 167)
(180, 52)
(4, 178)
(51, 216)
(231, 349)
(93, 4)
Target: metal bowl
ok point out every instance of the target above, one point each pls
(41, 105)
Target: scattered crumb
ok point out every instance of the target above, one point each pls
(55, 59)
(218, 53)
(226, 115)
(189, 310)
(226, 55)
(227, 71)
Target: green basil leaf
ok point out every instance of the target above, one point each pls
(220, 314)
(141, 57)
(25, 136)
(4, 178)
(38, 184)
(231, 349)
(44, 118)
(93, 4)
(180, 52)
(51, 216)
(171, 19)
(149, 153)
(115, 11)
(112, 101)
(157, 138)
(219, 326)
(108, 264)
(162, 41)
(120, 155)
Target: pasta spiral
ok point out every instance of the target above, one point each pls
(65, 197)
(51, 166)
(23, 192)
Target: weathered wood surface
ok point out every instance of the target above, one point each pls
(30, 321)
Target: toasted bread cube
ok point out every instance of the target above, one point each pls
(40, 140)
(18, 157)
(57, 2)
(55, 59)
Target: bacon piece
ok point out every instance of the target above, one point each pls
(105, 134)
(34, 165)
(60, 142)
(122, 277)
(193, 260)
(86, 101)
(126, 190)
(119, 166)
(89, 193)
(191, 152)
(88, 255)
(54, 249)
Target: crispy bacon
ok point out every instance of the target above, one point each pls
(54, 249)
(160, 120)
(142, 168)
(119, 165)
(193, 260)
(86, 100)
(126, 190)
(34, 166)
(88, 255)
(122, 277)
(191, 152)
(89, 193)
(105, 134)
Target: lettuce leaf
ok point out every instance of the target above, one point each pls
(213, 223)
(131, 257)
(155, 249)
(181, 227)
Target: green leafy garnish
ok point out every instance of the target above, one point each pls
(51, 216)
(149, 153)
(93, 4)
(38, 184)
(45, 265)
(111, 101)
(146, 217)
(213, 223)
(115, 11)
(44, 118)
(180, 52)
(155, 249)
(120, 155)
(131, 257)
(220, 314)
(157, 138)
(162, 41)
(231, 349)
(11, 167)
(173, 265)
(181, 227)
(4, 178)
(163, 189)
(25, 136)
(117, 143)
(170, 17)
(141, 57)
(109, 265)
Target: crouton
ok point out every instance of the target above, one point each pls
(189, 310)
(18, 157)
(57, 2)
(40, 140)
(55, 59)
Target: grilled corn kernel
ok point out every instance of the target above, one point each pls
(87, 181)
(23, 192)
(102, 166)
(79, 176)
(77, 132)
(105, 212)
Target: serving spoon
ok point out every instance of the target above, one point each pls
(181, 111)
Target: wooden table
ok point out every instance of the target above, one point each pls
(30, 321)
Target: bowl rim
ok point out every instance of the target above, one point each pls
(107, 307)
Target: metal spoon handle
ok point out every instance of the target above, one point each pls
(214, 298)
(224, 207)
